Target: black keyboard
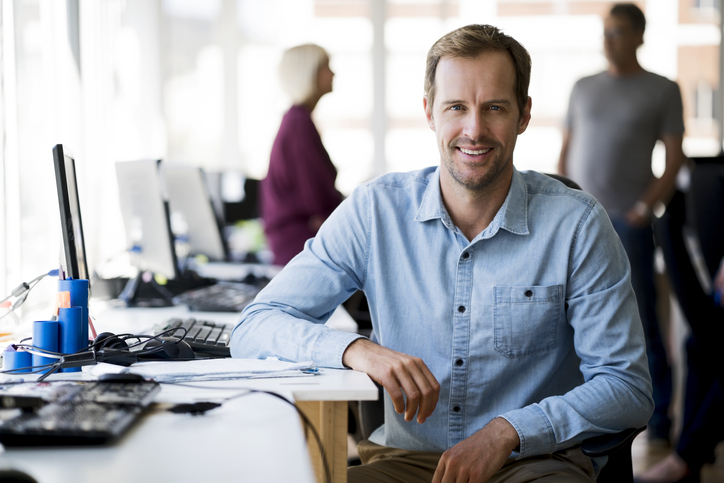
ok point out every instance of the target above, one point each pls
(220, 297)
(92, 413)
(204, 336)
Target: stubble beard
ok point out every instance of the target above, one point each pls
(492, 169)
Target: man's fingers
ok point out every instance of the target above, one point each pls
(420, 388)
(409, 382)
(430, 393)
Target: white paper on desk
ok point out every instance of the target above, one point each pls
(215, 369)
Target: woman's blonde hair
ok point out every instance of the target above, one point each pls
(298, 71)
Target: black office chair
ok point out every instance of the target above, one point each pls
(619, 469)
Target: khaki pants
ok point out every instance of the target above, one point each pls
(381, 464)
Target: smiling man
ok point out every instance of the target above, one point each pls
(506, 329)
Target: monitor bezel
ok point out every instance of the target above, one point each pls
(76, 261)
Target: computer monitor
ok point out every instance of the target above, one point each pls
(191, 204)
(145, 214)
(245, 208)
(73, 262)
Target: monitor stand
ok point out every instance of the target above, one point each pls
(143, 291)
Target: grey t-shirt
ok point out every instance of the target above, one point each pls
(614, 124)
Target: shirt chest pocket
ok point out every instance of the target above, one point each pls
(526, 319)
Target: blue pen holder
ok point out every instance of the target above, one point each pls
(45, 336)
(78, 290)
(70, 322)
(17, 361)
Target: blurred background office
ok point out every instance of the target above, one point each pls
(194, 82)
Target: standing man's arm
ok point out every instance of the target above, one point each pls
(563, 159)
(661, 188)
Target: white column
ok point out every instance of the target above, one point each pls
(378, 12)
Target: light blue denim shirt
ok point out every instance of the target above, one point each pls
(534, 320)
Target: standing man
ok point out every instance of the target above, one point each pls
(505, 323)
(614, 120)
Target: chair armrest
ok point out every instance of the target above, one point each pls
(607, 444)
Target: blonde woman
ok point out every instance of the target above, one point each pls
(298, 193)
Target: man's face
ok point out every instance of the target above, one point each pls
(620, 40)
(476, 118)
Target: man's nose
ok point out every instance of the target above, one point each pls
(476, 125)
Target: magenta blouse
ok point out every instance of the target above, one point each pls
(298, 185)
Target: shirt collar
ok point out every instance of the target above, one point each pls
(512, 216)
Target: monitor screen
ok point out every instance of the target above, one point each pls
(191, 204)
(74, 263)
(146, 217)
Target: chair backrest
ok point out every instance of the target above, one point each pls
(566, 181)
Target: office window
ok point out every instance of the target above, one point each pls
(707, 4)
(704, 96)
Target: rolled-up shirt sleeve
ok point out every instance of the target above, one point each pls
(286, 320)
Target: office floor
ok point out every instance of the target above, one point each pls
(644, 456)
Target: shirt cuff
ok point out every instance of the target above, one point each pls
(330, 347)
(534, 430)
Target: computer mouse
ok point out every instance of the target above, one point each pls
(126, 377)
(14, 476)
(166, 348)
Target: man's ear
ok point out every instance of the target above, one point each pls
(525, 117)
(428, 113)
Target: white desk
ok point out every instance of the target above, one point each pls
(256, 438)
(255, 431)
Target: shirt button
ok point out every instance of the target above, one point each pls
(461, 309)
(529, 293)
(457, 409)
(459, 362)
(466, 255)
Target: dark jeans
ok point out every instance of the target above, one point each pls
(702, 211)
(703, 425)
(639, 245)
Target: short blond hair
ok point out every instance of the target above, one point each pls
(298, 71)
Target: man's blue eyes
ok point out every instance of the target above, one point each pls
(492, 108)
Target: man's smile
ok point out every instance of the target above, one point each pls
(474, 152)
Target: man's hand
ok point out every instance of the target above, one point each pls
(639, 215)
(398, 373)
(477, 458)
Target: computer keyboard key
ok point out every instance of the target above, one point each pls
(225, 336)
(213, 335)
(203, 333)
(93, 414)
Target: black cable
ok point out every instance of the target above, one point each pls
(307, 423)
(52, 370)
(25, 287)
(55, 366)
(200, 408)
(21, 291)
(20, 371)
